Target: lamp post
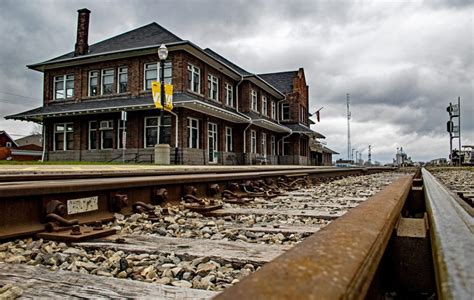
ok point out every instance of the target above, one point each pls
(163, 55)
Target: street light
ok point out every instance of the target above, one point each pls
(163, 55)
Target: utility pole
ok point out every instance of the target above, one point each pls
(348, 129)
(369, 156)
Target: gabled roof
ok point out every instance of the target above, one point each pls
(148, 35)
(283, 81)
(9, 137)
(227, 62)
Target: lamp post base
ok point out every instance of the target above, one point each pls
(162, 154)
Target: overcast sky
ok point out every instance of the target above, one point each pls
(402, 62)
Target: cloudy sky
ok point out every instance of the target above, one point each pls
(402, 62)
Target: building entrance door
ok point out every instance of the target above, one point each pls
(212, 142)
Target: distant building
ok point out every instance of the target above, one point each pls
(23, 149)
(401, 159)
(320, 155)
(438, 162)
(34, 139)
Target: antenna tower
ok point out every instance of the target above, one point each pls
(348, 129)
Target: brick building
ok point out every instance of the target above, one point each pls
(223, 114)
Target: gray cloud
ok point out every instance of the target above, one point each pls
(402, 62)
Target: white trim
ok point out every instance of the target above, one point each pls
(265, 106)
(89, 83)
(89, 135)
(153, 64)
(64, 135)
(264, 144)
(252, 102)
(272, 145)
(253, 141)
(229, 88)
(119, 72)
(274, 110)
(213, 110)
(215, 136)
(227, 148)
(189, 128)
(193, 69)
(102, 136)
(102, 74)
(211, 79)
(157, 131)
(64, 86)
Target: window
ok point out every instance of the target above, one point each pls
(120, 134)
(213, 87)
(194, 78)
(122, 80)
(92, 135)
(228, 140)
(273, 110)
(253, 141)
(264, 106)
(63, 87)
(63, 137)
(152, 131)
(151, 75)
(193, 133)
(253, 96)
(286, 147)
(264, 144)
(285, 111)
(106, 134)
(273, 145)
(107, 81)
(8, 144)
(302, 114)
(93, 83)
(229, 95)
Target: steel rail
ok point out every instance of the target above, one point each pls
(338, 262)
(32, 188)
(452, 241)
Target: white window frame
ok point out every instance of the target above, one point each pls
(273, 145)
(265, 106)
(149, 67)
(89, 134)
(121, 71)
(190, 127)
(228, 138)
(194, 71)
(157, 131)
(102, 75)
(64, 135)
(212, 81)
(253, 100)
(102, 135)
(89, 90)
(264, 144)
(282, 114)
(212, 131)
(253, 141)
(229, 94)
(64, 80)
(8, 144)
(273, 110)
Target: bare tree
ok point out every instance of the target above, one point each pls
(37, 129)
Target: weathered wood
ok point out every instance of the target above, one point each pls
(39, 282)
(236, 251)
(290, 212)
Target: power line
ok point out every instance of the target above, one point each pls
(14, 103)
(13, 94)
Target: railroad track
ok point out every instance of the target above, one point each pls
(184, 254)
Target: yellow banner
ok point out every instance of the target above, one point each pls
(156, 91)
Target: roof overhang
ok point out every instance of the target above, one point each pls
(258, 81)
(38, 117)
(271, 126)
(209, 109)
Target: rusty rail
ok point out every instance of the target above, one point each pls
(452, 241)
(338, 262)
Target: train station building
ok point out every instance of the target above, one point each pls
(223, 114)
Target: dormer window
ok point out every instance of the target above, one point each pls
(253, 96)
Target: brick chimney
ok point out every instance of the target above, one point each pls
(82, 46)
